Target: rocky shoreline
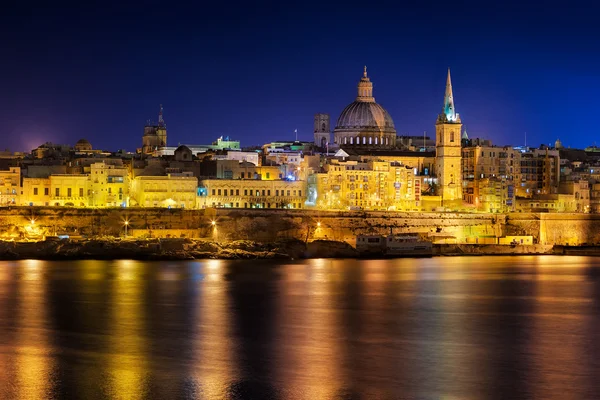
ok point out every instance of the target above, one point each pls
(189, 249)
(172, 249)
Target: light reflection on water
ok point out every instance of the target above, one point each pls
(464, 328)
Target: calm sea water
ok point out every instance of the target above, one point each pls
(441, 328)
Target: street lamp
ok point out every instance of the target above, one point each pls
(126, 225)
(213, 223)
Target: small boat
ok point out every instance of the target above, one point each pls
(393, 246)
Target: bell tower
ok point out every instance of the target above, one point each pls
(448, 150)
(322, 132)
(161, 129)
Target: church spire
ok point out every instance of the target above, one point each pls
(365, 89)
(449, 113)
(161, 121)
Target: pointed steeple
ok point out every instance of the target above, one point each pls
(464, 135)
(161, 121)
(449, 113)
(365, 89)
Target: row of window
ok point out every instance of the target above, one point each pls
(370, 140)
(230, 192)
(257, 205)
(70, 192)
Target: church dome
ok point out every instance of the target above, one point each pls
(361, 115)
(363, 122)
(83, 145)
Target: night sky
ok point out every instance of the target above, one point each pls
(258, 71)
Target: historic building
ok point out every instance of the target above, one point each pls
(109, 185)
(155, 136)
(172, 191)
(36, 192)
(69, 190)
(364, 123)
(368, 185)
(252, 193)
(10, 186)
(448, 150)
(322, 131)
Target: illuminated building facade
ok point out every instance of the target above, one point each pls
(371, 185)
(164, 191)
(10, 186)
(252, 193)
(36, 192)
(495, 195)
(482, 163)
(109, 185)
(69, 190)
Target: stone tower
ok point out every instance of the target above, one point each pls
(161, 129)
(155, 136)
(322, 130)
(448, 151)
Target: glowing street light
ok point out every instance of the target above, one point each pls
(318, 224)
(126, 225)
(213, 223)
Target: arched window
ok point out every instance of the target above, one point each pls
(364, 140)
(375, 140)
(351, 140)
(345, 140)
(451, 136)
(370, 140)
(323, 127)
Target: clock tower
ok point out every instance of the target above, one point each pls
(448, 151)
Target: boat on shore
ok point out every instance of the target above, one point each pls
(408, 245)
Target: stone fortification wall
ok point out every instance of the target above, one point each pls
(267, 225)
(552, 228)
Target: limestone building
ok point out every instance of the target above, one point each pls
(10, 186)
(322, 132)
(368, 185)
(252, 193)
(155, 136)
(448, 150)
(364, 123)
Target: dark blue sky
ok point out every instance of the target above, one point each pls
(258, 71)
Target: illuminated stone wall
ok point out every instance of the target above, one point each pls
(267, 225)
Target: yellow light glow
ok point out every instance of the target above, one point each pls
(213, 223)
(318, 224)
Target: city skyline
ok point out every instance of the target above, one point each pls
(264, 72)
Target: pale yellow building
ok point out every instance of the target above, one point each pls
(109, 185)
(372, 185)
(69, 190)
(495, 195)
(10, 186)
(164, 191)
(36, 192)
(252, 193)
